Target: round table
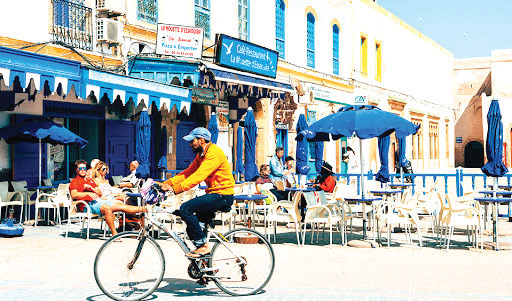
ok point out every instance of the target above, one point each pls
(495, 202)
(364, 201)
(250, 198)
(386, 192)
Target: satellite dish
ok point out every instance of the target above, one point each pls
(298, 87)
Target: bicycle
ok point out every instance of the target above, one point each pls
(131, 265)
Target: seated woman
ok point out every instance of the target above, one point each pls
(99, 176)
(325, 180)
(265, 183)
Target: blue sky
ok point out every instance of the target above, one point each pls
(467, 28)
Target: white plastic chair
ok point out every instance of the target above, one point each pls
(390, 213)
(292, 215)
(16, 198)
(82, 216)
(46, 201)
(320, 212)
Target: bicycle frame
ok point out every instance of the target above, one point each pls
(152, 221)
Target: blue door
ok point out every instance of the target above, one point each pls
(184, 153)
(26, 159)
(119, 146)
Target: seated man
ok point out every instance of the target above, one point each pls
(290, 180)
(130, 180)
(85, 189)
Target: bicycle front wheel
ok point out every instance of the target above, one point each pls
(243, 263)
(129, 266)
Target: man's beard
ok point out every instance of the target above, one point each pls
(197, 150)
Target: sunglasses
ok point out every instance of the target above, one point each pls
(82, 168)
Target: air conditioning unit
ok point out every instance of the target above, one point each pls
(112, 7)
(109, 31)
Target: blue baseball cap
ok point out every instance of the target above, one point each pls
(199, 133)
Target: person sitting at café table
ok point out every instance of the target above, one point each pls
(325, 180)
(91, 170)
(130, 180)
(85, 189)
(100, 172)
(263, 182)
(289, 165)
(277, 170)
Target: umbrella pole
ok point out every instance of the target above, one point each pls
(496, 212)
(362, 166)
(39, 183)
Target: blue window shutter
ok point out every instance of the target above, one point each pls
(311, 40)
(280, 6)
(335, 49)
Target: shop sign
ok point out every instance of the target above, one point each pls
(204, 96)
(458, 139)
(281, 126)
(361, 97)
(245, 56)
(223, 115)
(179, 40)
(328, 94)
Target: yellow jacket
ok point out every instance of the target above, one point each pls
(212, 167)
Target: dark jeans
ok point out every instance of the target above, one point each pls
(202, 209)
(280, 194)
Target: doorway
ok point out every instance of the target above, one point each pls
(474, 155)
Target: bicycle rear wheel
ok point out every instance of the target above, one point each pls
(243, 263)
(129, 266)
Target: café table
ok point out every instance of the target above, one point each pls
(250, 199)
(134, 195)
(386, 193)
(365, 201)
(495, 202)
(401, 185)
(508, 188)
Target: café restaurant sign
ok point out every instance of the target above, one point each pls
(245, 56)
(179, 41)
(327, 94)
(204, 96)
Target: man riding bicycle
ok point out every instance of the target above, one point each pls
(211, 166)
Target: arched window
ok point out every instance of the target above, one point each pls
(280, 6)
(311, 40)
(335, 49)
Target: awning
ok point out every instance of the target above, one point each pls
(244, 78)
(126, 88)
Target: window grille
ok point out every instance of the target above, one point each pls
(147, 10)
(202, 16)
(311, 40)
(335, 49)
(72, 23)
(243, 19)
(280, 6)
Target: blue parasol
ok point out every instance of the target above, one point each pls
(142, 146)
(494, 143)
(239, 151)
(319, 156)
(383, 173)
(251, 170)
(40, 130)
(302, 148)
(213, 127)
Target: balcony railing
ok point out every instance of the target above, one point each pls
(72, 24)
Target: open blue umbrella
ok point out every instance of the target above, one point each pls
(383, 173)
(142, 145)
(162, 163)
(239, 151)
(494, 143)
(251, 170)
(364, 121)
(302, 148)
(319, 156)
(40, 130)
(213, 127)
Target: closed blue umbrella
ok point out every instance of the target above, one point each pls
(239, 151)
(213, 127)
(319, 156)
(251, 170)
(302, 148)
(494, 151)
(162, 163)
(383, 173)
(40, 130)
(142, 146)
(494, 143)
(402, 160)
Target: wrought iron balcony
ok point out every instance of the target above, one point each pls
(72, 24)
